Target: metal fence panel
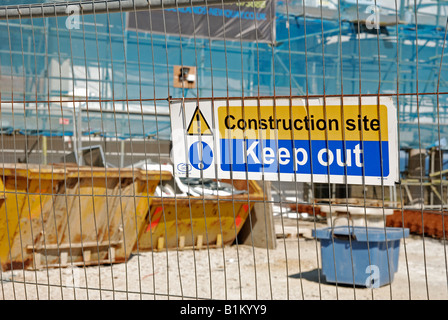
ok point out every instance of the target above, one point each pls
(171, 150)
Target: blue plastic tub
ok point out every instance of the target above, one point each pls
(358, 255)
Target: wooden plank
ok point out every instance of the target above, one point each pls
(86, 255)
(160, 243)
(111, 255)
(218, 240)
(64, 258)
(37, 260)
(81, 263)
(181, 242)
(65, 246)
(259, 228)
(199, 242)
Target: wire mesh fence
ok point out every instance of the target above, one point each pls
(257, 150)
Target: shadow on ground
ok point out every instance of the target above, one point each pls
(317, 276)
(314, 275)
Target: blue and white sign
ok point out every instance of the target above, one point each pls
(336, 141)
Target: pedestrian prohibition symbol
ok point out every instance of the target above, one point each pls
(200, 155)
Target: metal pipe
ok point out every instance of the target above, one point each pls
(90, 7)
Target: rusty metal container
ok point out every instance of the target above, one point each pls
(60, 215)
(198, 222)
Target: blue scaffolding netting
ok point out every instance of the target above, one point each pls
(125, 76)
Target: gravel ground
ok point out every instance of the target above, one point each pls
(291, 271)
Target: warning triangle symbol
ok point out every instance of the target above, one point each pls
(198, 125)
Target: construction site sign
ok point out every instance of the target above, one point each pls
(349, 140)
